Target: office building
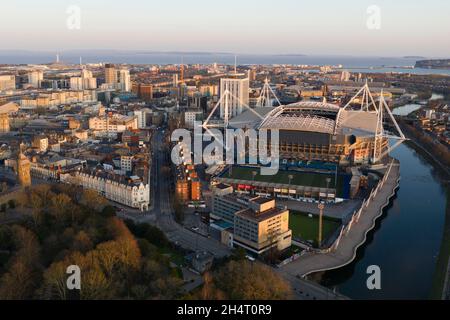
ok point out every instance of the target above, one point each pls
(124, 80)
(110, 74)
(35, 77)
(225, 203)
(262, 226)
(76, 83)
(237, 98)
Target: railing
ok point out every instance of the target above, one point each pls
(358, 213)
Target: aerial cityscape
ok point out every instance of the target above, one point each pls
(206, 166)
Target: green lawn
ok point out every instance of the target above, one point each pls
(299, 178)
(307, 228)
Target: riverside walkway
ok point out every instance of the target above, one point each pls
(354, 234)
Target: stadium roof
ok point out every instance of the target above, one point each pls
(309, 116)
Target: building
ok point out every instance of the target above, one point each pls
(126, 163)
(237, 97)
(40, 143)
(35, 77)
(225, 203)
(4, 122)
(7, 82)
(190, 116)
(143, 116)
(262, 226)
(195, 189)
(124, 80)
(201, 261)
(114, 124)
(118, 188)
(110, 74)
(76, 83)
(23, 169)
(143, 91)
(88, 81)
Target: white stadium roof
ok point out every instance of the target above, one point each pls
(309, 116)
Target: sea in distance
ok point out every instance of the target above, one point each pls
(350, 63)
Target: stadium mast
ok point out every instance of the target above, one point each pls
(264, 98)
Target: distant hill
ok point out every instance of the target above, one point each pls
(433, 64)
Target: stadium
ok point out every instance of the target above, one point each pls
(317, 140)
(324, 132)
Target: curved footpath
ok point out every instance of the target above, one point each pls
(346, 251)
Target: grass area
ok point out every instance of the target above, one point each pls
(307, 228)
(298, 178)
(175, 256)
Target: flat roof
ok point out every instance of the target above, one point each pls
(260, 216)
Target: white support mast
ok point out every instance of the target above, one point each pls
(264, 98)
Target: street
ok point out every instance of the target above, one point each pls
(161, 210)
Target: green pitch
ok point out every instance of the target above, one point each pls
(307, 228)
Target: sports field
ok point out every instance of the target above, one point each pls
(307, 228)
(298, 178)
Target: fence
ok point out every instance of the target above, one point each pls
(358, 213)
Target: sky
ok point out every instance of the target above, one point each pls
(324, 27)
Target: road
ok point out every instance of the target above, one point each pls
(161, 211)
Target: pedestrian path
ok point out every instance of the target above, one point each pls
(352, 237)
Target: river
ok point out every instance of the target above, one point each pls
(411, 107)
(406, 241)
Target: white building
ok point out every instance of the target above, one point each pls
(115, 188)
(116, 123)
(76, 83)
(126, 163)
(35, 78)
(88, 81)
(124, 80)
(238, 97)
(190, 117)
(142, 115)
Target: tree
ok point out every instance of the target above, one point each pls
(209, 290)
(54, 282)
(108, 211)
(59, 204)
(93, 200)
(11, 203)
(82, 242)
(37, 204)
(244, 280)
(20, 279)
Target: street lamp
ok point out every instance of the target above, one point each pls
(321, 206)
(254, 173)
(328, 184)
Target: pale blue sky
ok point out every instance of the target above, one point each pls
(408, 27)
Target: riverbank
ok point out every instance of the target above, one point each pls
(354, 235)
(441, 283)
